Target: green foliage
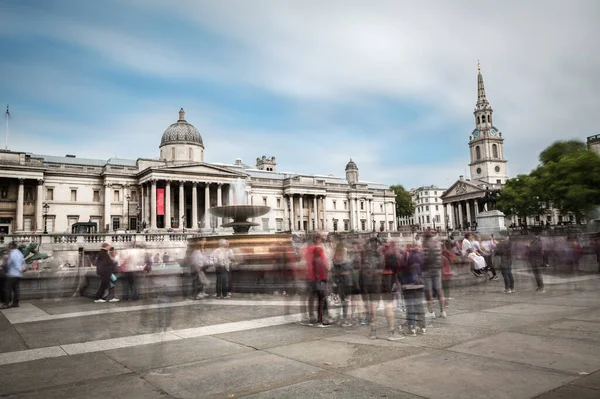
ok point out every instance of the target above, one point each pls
(559, 149)
(521, 197)
(404, 202)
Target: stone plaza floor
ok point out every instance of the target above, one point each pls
(491, 345)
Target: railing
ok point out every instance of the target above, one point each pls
(19, 238)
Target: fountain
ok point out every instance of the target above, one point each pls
(238, 212)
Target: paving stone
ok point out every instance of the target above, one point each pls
(343, 355)
(570, 392)
(231, 376)
(122, 386)
(11, 340)
(526, 309)
(171, 353)
(590, 381)
(549, 352)
(68, 331)
(566, 328)
(577, 299)
(334, 388)
(491, 320)
(43, 373)
(282, 335)
(442, 374)
(593, 315)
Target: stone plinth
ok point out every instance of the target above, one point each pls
(490, 222)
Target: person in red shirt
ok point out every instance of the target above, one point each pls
(316, 268)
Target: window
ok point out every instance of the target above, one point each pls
(28, 194)
(477, 152)
(27, 225)
(427, 209)
(483, 118)
(265, 201)
(435, 193)
(346, 225)
(134, 196)
(426, 193)
(279, 224)
(391, 226)
(334, 205)
(382, 225)
(49, 194)
(71, 220)
(436, 207)
(97, 221)
(362, 206)
(498, 181)
(116, 223)
(278, 202)
(495, 150)
(265, 224)
(96, 196)
(345, 205)
(437, 218)
(73, 195)
(428, 220)
(116, 196)
(363, 224)
(50, 223)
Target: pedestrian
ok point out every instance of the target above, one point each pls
(534, 256)
(448, 258)
(413, 286)
(432, 273)
(13, 266)
(316, 261)
(504, 251)
(105, 266)
(223, 260)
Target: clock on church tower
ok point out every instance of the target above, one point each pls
(486, 144)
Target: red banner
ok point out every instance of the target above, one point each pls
(160, 201)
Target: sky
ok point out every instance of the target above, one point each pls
(390, 84)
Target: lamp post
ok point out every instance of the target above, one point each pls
(183, 223)
(373, 224)
(447, 222)
(46, 208)
(128, 198)
(139, 216)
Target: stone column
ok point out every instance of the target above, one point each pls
(315, 213)
(230, 197)
(292, 222)
(468, 206)
(395, 221)
(20, 199)
(206, 205)
(107, 221)
(387, 224)
(368, 209)
(219, 201)
(147, 219)
(39, 210)
(301, 205)
(351, 209)
(168, 204)
(460, 216)
(194, 206)
(357, 214)
(181, 204)
(153, 206)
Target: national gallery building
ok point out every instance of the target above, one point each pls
(50, 193)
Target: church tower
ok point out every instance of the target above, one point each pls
(486, 144)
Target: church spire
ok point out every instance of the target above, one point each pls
(482, 101)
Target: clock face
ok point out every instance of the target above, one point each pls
(476, 133)
(497, 169)
(493, 132)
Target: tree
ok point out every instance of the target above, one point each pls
(404, 203)
(560, 149)
(521, 197)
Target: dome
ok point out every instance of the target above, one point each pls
(181, 132)
(351, 165)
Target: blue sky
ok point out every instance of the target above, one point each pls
(390, 84)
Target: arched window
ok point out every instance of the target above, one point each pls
(483, 118)
(478, 153)
(172, 153)
(191, 154)
(478, 119)
(495, 150)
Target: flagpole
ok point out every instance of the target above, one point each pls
(7, 115)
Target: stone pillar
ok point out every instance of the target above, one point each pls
(301, 205)
(39, 210)
(395, 221)
(20, 200)
(387, 224)
(168, 205)
(230, 195)
(153, 206)
(357, 214)
(219, 201)
(147, 219)
(351, 209)
(315, 213)
(194, 206)
(460, 216)
(469, 220)
(107, 221)
(292, 221)
(206, 205)
(181, 204)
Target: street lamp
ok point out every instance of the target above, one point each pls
(447, 222)
(373, 224)
(183, 223)
(46, 209)
(139, 217)
(128, 198)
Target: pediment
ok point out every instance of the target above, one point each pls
(200, 169)
(461, 188)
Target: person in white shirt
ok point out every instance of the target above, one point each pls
(486, 249)
(223, 259)
(467, 244)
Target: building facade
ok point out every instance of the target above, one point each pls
(488, 166)
(50, 193)
(593, 143)
(430, 212)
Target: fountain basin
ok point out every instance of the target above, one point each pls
(239, 214)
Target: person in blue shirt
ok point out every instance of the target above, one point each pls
(13, 266)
